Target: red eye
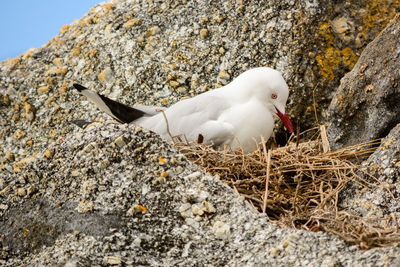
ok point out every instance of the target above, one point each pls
(274, 96)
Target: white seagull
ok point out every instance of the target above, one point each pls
(238, 114)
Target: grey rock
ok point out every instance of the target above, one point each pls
(366, 104)
(384, 164)
(98, 198)
(47, 228)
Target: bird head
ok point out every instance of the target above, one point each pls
(269, 87)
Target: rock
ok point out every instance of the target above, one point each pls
(81, 204)
(204, 33)
(384, 164)
(366, 104)
(101, 209)
(85, 206)
(48, 153)
(221, 230)
(120, 141)
(112, 260)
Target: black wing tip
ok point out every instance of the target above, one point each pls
(79, 87)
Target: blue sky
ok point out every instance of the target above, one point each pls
(31, 23)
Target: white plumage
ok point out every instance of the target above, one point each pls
(239, 113)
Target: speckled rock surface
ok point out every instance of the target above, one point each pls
(366, 105)
(115, 194)
(384, 164)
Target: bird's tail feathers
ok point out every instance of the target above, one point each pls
(118, 111)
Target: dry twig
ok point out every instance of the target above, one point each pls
(299, 186)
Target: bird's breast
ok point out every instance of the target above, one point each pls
(250, 121)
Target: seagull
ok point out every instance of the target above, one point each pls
(239, 114)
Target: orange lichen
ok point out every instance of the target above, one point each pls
(20, 134)
(64, 88)
(52, 134)
(49, 153)
(49, 101)
(89, 21)
(28, 108)
(11, 62)
(28, 53)
(109, 6)
(76, 51)
(102, 75)
(93, 53)
(132, 22)
(142, 208)
(29, 142)
(64, 28)
(61, 71)
(58, 61)
(8, 157)
(50, 81)
(18, 166)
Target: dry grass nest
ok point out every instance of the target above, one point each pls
(299, 185)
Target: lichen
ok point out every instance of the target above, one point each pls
(368, 18)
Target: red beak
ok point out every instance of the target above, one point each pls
(285, 119)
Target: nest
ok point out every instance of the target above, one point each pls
(299, 185)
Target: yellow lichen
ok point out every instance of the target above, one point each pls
(349, 58)
(332, 54)
(378, 13)
(43, 89)
(325, 31)
(324, 67)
